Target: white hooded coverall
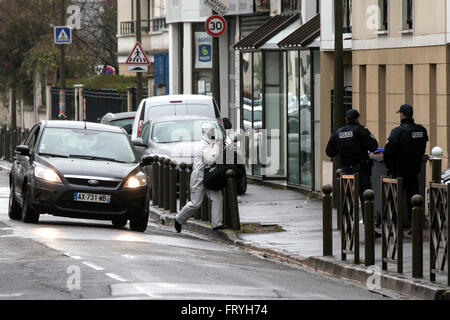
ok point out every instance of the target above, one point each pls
(205, 155)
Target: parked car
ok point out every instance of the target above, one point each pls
(79, 170)
(174, 105)
(123, 120)
(178, 137)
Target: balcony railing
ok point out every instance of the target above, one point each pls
(153, 25)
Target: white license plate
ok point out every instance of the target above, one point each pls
(91, 197)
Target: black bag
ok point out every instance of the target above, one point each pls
(215, 177)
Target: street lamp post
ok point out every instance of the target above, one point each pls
(62, 77)
(138, 39)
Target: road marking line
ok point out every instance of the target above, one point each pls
(93, 266)
(116, 277)
(11, 295)
(73, 257)
(128, 256)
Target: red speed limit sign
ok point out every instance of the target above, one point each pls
(216, 26)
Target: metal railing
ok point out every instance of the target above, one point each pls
(152, 25)
(349, 213)
(439, 233)
(171, 191)
(10, 138)
(392, 222)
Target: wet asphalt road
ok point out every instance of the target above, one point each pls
(81, 259)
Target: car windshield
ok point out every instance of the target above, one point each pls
(86, 144)
(121, 122)
(180, 131)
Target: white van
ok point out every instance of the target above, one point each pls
(174, 105)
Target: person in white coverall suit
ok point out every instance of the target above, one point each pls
(205, 155)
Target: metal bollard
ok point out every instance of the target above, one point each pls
(369, 227)
(155, 182)
(337, 195)
(190, 167)
(161, 183)
(327, 212)
(232, 200)
(183, 184)
(417, 233)
(166, 184)
(173, 187)
(226, 210)
(2, 142)
(436, 164)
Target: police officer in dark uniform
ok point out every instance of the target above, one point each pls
(352, 143)
(403, 155)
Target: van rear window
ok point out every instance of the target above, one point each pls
(181, 110)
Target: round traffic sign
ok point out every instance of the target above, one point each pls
(216, 26)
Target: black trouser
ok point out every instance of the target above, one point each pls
(364, 180)
(410, 188)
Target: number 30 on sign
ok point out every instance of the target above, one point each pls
(216, 26)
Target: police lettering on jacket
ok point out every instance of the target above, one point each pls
(351, 143)
(405, 148)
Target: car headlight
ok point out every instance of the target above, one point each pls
(46, 174)
(136, 181)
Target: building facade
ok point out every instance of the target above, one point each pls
(268, 87)
(399, 52)
(155, 40)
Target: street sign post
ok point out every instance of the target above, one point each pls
(137, 56)
(216, 26)
(63, 35)
(137, 60)
(141, 68)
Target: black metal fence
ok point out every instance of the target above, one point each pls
(98, 102)
(170, 191)
(392, 239)
(9, 140)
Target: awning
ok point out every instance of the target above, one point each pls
(265, 32)
(303, 36)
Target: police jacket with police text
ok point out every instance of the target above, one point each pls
(351, 143)
(404, 151)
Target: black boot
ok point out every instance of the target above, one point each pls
(177, 226)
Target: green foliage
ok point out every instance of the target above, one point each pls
(118, 82)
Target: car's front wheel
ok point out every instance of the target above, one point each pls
(119, 222)
(14, 210)
(28, 214)
(139, 223)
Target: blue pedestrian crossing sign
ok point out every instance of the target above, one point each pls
(63, 35)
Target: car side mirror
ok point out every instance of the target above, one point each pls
(23, 150)
(147, 160)
(128, 128)
(138, 142)
(227, 123)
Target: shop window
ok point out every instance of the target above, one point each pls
(384, 14)
(407, 14)
(262, 5)
(347, 16)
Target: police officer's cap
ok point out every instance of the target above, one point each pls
(352, 114)
(407, 110)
